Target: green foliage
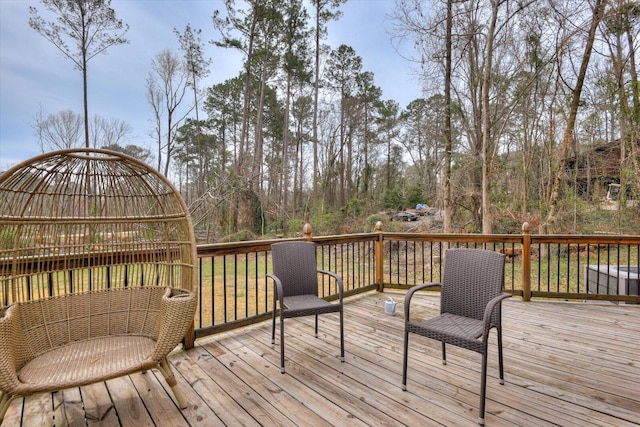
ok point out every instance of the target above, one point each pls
(393, 199)
(242, 236)
(371, 220)
(352, 209)
(141, 153)
(8, 236)
(327, 223)
(415, 195)
(295, 226)
(370, 152)
(256, 212)
(630, 187)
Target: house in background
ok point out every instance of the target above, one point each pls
(591, 172)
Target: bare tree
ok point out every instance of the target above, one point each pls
(324, 12)
(154, 97)
(197, 69)
(64, 130)
(619, 31)
(552, 215)
(434, 56)
(82, 30)
(106, 131)
(343, 66)
(166, 89)
(140, 153)
(446, 199)
(58, 131)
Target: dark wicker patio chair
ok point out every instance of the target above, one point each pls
(295, 276)
(470, 306)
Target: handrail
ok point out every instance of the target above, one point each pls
(233, 276)
(234, 292)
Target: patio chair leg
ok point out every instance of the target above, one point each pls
(165, 369)
(444, 353)
(281, 344)
(404, 360)
(273, 325)
(5, 402)
(500, 364)
(341, 336)
(483, 387)
(316, 326)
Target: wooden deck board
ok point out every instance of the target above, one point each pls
(565, 364)
(128, 406)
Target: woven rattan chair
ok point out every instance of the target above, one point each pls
(295, 276)
(470, 306)
(97, 259)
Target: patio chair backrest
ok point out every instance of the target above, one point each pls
(471, 278)
(80, 220)
(294, 263)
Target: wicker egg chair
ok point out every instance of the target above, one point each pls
(97, 271)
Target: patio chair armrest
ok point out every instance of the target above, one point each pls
(413, 290)
(488, 311)
(337, 278)
(278, 285)
(11, 344)
(177, 309)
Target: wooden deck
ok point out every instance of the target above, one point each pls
(567, 364)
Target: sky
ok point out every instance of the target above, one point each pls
(35, 77)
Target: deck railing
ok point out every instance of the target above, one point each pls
(234, 290)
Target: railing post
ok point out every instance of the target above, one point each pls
(306, 232)
(188, 342)
(526, 262)
(379, 258)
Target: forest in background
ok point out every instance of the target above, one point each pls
(519, 99)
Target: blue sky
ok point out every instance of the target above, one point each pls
(34, 76)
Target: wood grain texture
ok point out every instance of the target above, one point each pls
(569, 364)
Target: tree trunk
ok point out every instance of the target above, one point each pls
(316, 85)
(447, 125)
(635, 114)
(487, 220)
(550, 222)
(86, 100)
(285, 157)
